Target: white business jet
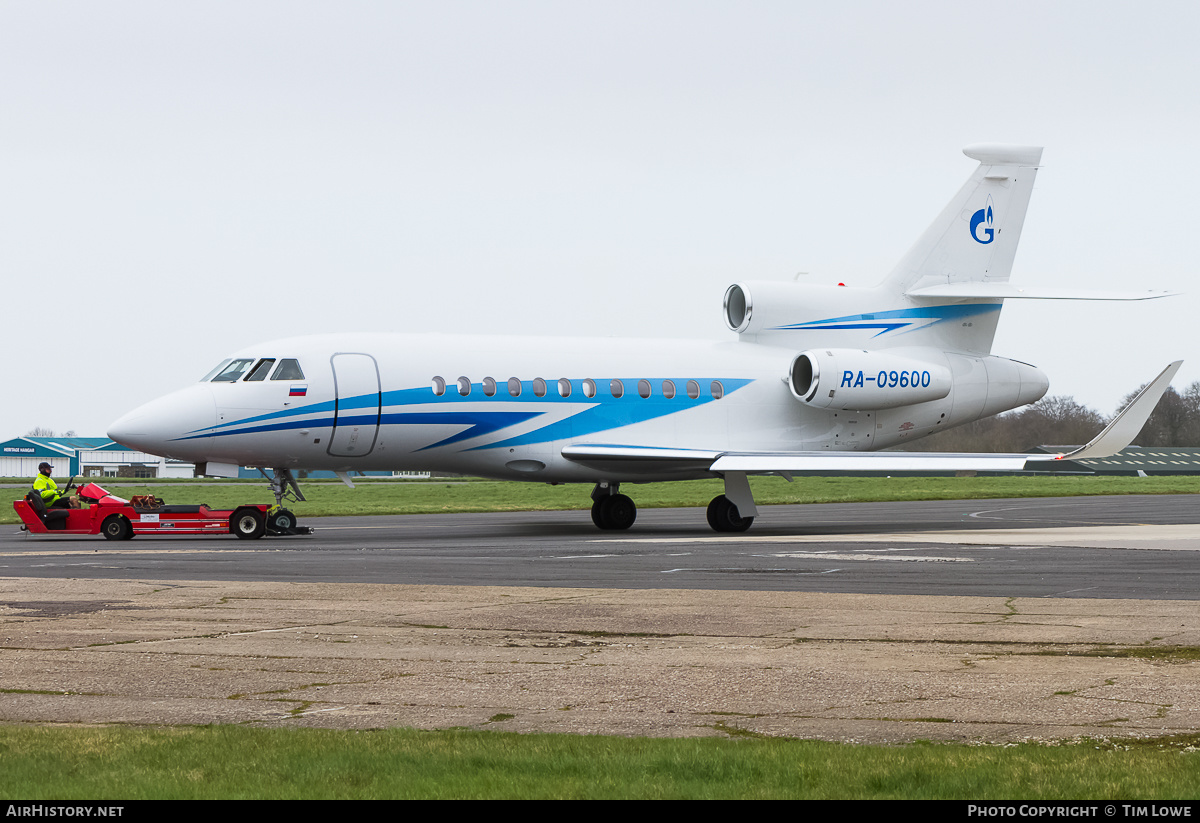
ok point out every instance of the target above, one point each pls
(819, 379)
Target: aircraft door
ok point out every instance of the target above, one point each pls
(356, 404)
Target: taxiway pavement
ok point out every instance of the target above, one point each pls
(1106, 547)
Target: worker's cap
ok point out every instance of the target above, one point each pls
(44, 466)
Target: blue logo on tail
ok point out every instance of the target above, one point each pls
(983, 218)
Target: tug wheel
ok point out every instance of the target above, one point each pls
(248, 524)
(116, 527)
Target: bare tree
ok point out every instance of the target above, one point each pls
(1054, 420)
(42, 431)
(1175, 421)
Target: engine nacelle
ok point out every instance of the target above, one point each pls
(866, 380)
(757, 307)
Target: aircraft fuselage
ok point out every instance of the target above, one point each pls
(505, 407)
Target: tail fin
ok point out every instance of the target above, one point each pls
(974, 239)
(946, 291)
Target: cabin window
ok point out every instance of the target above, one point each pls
(439, 386)
(643, 388)
(669, 389)
(693, 389)
(214, 372)
(261, 371)
(514, 386)
(718, 391)
(233, 371)
(464, 386)
(564, 387)
(489, 386)
(616, 388)
(589, 388)
(288, 369)
(539, 387)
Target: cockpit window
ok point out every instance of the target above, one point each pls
(261, 371)
(289, 369)
(213, 373)
(233, 371)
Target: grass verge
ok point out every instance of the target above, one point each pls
(233, 762)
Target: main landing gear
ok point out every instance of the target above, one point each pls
(610, 510)
(731, 512)
(724, 516)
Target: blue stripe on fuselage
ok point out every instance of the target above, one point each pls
(594, 413)
(896, 319)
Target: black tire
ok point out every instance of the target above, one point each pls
(723, 516)
(116, 527)
(281, 522)
(621, 512)
(598, 513)
(248, 524)
(614, 512)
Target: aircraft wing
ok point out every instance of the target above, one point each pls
(635, 459)
(638, 459)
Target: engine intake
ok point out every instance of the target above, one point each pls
(738, 308)
(856, 379)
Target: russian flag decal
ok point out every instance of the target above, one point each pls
(298, 390)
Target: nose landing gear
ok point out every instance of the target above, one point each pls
(284, 487)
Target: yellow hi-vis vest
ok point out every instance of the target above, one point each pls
(47, 488)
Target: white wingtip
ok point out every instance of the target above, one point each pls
(1125, 426)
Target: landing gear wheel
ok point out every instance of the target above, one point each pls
(723, 516)
(598, 513)
(615, 512)
(281, 521)
(248, 524)
(116, 527)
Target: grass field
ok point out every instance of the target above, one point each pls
(332, 498)
(234, 762)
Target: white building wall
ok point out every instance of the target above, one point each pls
(112, 460)
(174, 469)
(28, 466)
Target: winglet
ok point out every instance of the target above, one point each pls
(1125, 426)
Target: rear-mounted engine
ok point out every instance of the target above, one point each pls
(856, 379)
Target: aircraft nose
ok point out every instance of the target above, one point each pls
(158, 426)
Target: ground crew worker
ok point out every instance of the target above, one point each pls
(48, 489)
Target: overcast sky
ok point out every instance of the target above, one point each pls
(178, 181)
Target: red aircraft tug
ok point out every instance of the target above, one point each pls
(120, 519)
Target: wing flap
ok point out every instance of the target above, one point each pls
(789, 462)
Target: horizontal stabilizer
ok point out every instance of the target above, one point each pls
(1009, 291)
(1003, 154)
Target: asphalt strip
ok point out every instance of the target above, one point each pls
(1175, 537)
